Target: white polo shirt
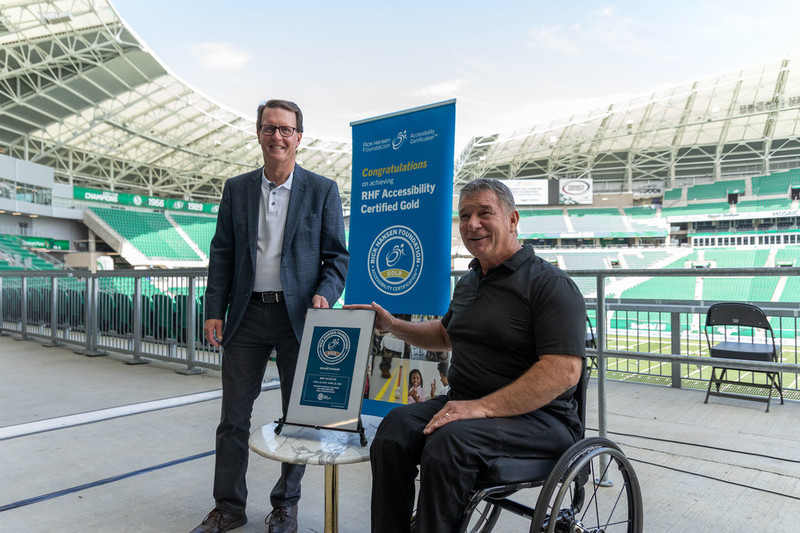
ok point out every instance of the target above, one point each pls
(271, 226)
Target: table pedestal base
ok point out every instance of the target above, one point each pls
(331, 498)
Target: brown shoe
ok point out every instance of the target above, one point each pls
(282, 520)
(218, 521)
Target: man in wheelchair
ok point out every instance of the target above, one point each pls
(516, 327)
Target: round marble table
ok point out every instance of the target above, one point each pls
(305, 445)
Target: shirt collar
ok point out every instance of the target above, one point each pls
(288, 183)
(513, 262)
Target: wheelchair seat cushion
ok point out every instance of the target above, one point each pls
(503, 470)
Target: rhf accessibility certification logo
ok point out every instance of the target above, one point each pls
(395, 260)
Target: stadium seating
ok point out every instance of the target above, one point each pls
(695, 209)
(764, 204)
(544, 223)
(775, 184)
(671, 195)
(739, 289)
(150, 232)
(17, 257)
(736, 257)
(714, 191)
(199, 228)
(644, 258)
(663, 288)
(597, 221)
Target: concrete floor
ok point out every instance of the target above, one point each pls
(95, 445)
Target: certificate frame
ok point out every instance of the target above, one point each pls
(331, 371)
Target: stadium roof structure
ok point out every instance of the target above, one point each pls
(81, 93)
(737, 123)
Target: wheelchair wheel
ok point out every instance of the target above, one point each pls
(576, 499)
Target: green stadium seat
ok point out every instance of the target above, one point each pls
(149, 232)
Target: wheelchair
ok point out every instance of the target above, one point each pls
(591, 488)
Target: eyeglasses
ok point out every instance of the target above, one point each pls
(285, 131)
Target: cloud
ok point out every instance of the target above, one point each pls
(552, 38)
(446, 88)
(220, 56)
(602, 29)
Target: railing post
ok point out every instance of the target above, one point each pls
(602, 410)
(53, 314)
(92, 292)
(675, 335)
(600, 316)
(24, 310)
(137, 323)
(191, 329)
(3, 331)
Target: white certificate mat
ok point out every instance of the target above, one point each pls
(331, 371)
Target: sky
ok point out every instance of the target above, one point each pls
(509, 64)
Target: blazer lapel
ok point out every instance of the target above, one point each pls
(299, 184)
(253, 204)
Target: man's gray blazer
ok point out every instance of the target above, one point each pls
(314, 257)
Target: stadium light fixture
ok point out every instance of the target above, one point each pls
(56, 17)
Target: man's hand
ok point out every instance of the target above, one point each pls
(383, 318)
(319, 302)
(213, 331)
(453, 411)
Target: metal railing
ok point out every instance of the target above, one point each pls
(148, 314)
(159, 315)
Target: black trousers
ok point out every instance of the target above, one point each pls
(449, 461)
(244, 361)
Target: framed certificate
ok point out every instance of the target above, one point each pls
(329, 380)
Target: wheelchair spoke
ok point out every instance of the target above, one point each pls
(609, 508)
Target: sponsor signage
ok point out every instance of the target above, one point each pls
(138, 200)
(401, 210)
(44, 242)
(575, 191)
(572, 191)
(529, 192)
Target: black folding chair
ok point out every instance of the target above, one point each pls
(576, 493)
(747, 336)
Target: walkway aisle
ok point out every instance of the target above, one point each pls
(151, 470)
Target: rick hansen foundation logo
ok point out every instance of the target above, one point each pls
(394, 261)
(333, 347)
(399, 140)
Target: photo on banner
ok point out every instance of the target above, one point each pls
(400, 374)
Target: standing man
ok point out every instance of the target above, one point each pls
(516, 327)
(279, 248)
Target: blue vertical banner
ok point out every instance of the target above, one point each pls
(401, 210)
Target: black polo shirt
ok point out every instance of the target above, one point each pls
(499, 324)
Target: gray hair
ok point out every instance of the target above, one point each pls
(500, 189)
(281, 104)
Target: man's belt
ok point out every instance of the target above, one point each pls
(269, 297)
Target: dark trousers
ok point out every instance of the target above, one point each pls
(244, 361)
(449, 461)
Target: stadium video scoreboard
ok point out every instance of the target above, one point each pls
(566, 191)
